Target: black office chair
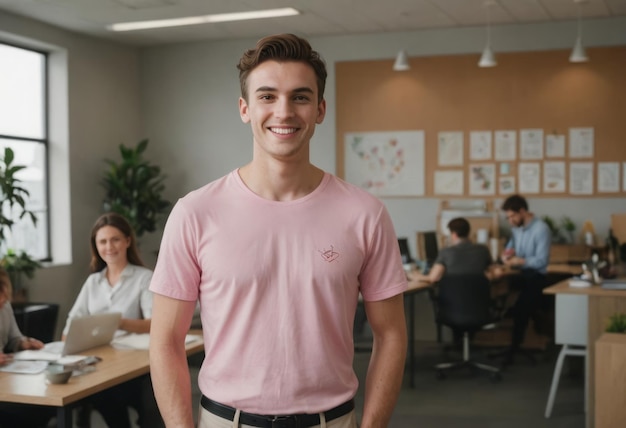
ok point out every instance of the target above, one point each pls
(463, 303)
(37, 320)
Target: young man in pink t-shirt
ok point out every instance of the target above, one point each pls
(276, 252)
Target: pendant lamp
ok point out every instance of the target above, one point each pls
(402, 62)
(578, 53)
(488, 59)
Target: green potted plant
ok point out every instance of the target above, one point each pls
(617, 324)
(554, 229)
(17, 266)
(13, 195)
(12, 205)
(569, 226)
(134, 189)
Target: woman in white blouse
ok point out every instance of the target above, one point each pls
(119, 283)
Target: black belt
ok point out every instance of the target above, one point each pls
(302, 420)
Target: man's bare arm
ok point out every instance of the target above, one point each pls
(171, 319)
(386, 368)
(435, 274)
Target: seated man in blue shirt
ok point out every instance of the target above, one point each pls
(528, 250)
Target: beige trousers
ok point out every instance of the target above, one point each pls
(207, 419)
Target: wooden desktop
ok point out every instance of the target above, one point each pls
(117, 366)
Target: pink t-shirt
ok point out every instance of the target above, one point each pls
(278, 285)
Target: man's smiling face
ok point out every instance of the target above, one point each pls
(282, 109)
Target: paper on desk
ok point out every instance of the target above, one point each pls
(33, 355)
(41, 355)
(24, 367)
(578, 282)
(142, 341)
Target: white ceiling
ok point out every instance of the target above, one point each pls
(318, 18)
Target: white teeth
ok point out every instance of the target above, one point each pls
(283, 131)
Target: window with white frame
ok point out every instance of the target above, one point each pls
(23, 128)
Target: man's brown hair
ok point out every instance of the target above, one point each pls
(460, 226)
(514, 203)
(282, 48)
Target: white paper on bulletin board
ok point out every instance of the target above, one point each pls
(528, 173)
(386, 163)
(581, 178)
(506, 185)
(531, 144)
(505, 145)
(480, 145)
(581, 142)
(608, 176)
(449, 182)
(450, 148)
(555, 146)
(554, 177)
(482, 179)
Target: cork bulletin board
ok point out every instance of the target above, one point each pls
(540, 94)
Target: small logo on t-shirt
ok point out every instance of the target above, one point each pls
(329, 255)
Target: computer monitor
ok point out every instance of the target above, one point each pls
(404, 250)
(427, 247)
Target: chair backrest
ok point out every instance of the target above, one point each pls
(37, 320)
(464, 301)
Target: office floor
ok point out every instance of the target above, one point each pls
(469, 401)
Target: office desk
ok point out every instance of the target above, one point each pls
(555, 268)
(601, 305)
(117, 366)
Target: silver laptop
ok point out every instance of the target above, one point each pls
(90, 331)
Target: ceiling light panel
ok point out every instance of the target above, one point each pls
(203, 19)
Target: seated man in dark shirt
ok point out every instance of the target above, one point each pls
(463, 257)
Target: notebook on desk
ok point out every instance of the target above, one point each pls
(84, 333)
